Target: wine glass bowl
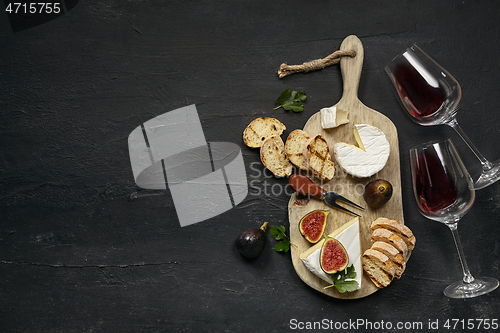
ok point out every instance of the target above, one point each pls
(428, 92)
(444, 192)
(431, 95)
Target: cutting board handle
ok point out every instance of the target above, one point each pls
(351, 67)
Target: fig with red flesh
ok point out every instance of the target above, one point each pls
(313, 224)
(333, 257)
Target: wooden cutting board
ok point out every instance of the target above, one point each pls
(346, 185)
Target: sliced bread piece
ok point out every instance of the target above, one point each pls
(398, 228)
(294, 148)
(393, 254)
(328, 171)
(378, 267)
(317, 158)
(272, 155)
(385, 235)
(259, 129)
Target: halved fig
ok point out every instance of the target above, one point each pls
(313, 224)
(333, 257)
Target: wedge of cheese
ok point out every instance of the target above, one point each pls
(369, 158)
(333, 117)
(348, 235)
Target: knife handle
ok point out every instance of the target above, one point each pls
(303, 185)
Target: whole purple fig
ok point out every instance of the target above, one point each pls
(251, 242)
(377, 193)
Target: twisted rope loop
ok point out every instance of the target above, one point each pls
(314, 65)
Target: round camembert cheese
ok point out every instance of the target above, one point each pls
(367, 159)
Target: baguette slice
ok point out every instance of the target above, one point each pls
(398, 228)
(317, 158)
(294, 148)
(393, 254)
(272, 155)
(378, 267)
(328, 171)
(385, 235)
(259, 129)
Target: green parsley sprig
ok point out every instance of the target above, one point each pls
(291, 100)
(278, 233)
(340, 280)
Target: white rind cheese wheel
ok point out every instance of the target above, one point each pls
(369, 158)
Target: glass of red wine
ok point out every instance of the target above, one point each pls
(444, 192)
(431, 96)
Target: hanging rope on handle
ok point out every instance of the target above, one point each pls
(314, 65)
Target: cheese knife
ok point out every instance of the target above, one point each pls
(305, 186)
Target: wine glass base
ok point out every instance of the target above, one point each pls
(479, 287)
(488, 177)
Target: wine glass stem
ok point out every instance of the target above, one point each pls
(487, 165)
(468, 278)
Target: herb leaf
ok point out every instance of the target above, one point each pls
(340, 282)
(344, 286)
(278, 233)
(284, 96)
(301, 96)
(350, 272)
(291, 100)
(282, 246)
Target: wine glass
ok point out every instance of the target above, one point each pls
(444, 193)
(431, 96)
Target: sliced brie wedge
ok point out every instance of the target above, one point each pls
(348, 235)
(367, 159)
(333, 117)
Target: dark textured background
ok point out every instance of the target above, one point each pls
(82, 249)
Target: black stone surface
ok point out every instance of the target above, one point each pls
(83, 249)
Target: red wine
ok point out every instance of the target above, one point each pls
(434, 187)
(422, 98)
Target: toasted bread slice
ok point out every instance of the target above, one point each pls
(393, 254)
(398, 228)
(328, 171)
(272, 155)
(385, 235)
(294, 148)
(317, 158)
(261, 128)
(378, 267)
